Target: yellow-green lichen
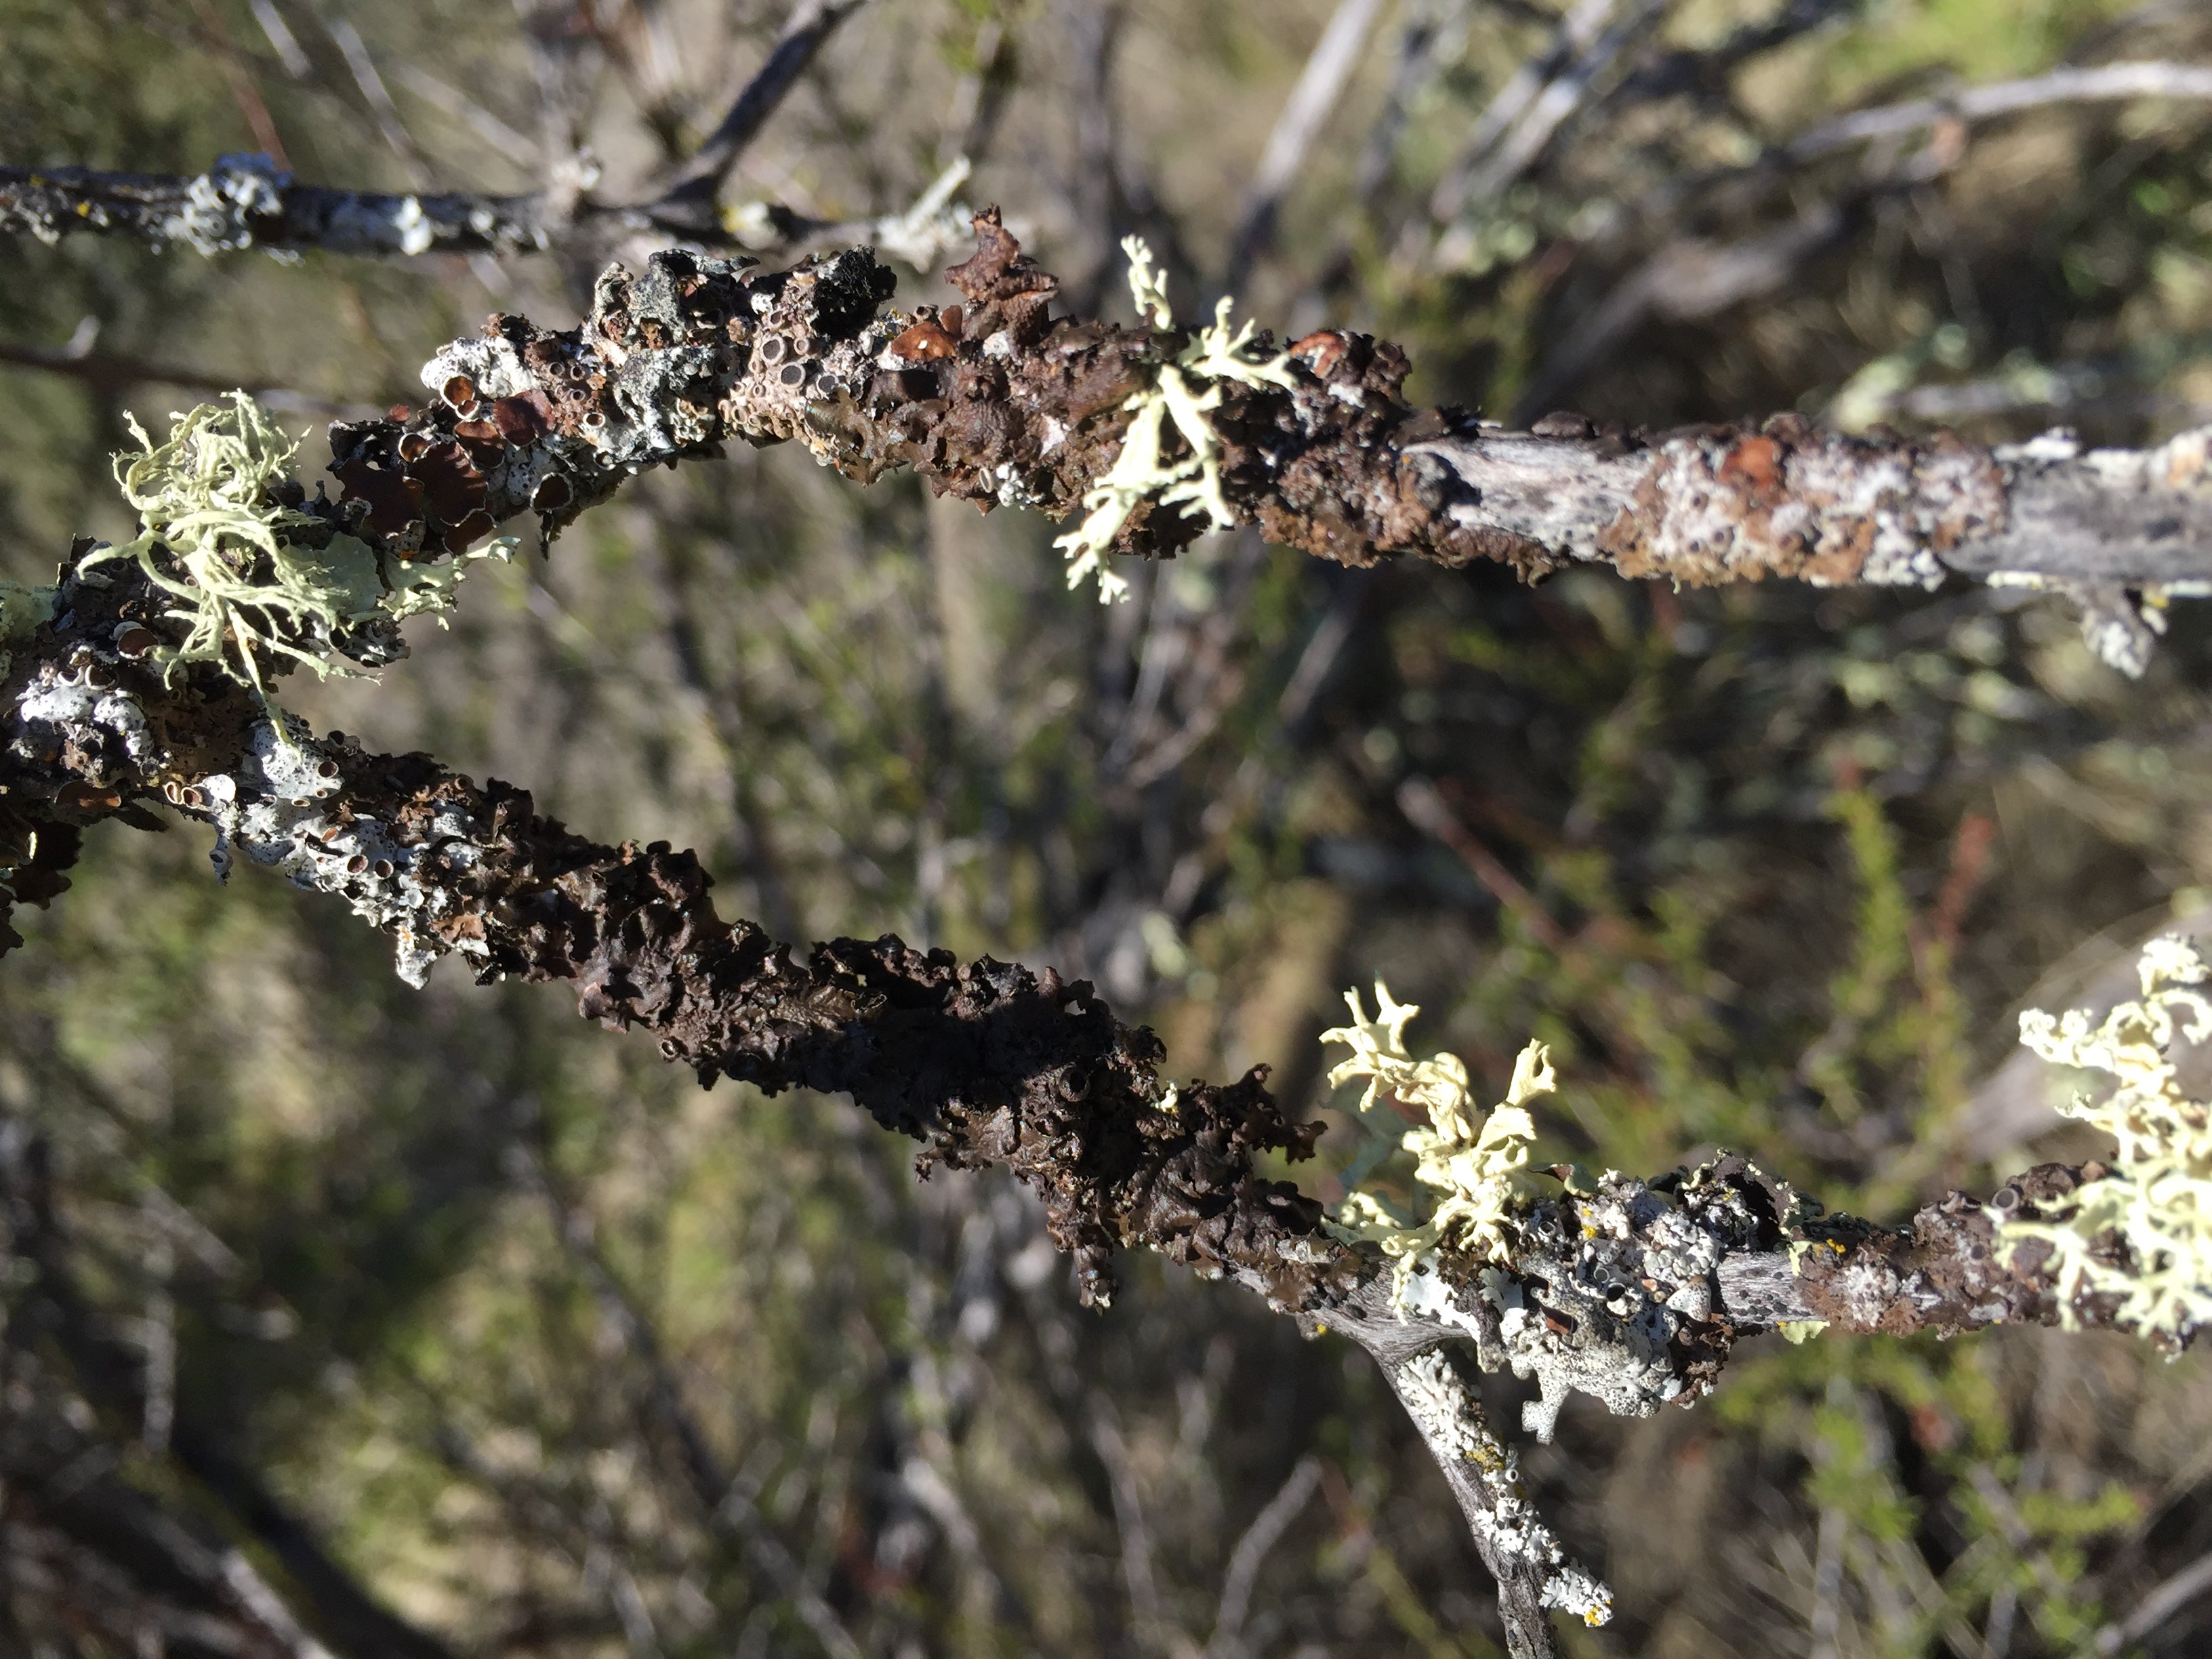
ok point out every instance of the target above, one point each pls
(2157, 1195)
(213, 538)
(1475, 1165)
(1185, 390)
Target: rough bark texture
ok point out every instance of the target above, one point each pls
(1630, 1291)
(244, 201)
(997, 403)
(1000, 403)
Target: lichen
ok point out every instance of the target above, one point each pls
(1452, 1420)
(1185, 389)
(1476, 1164)
(244, 585)
(2156, 1197)
(22, 611)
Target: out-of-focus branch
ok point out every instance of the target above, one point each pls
(689, 199)
(1335, 55)
(725, 1502)
(247, 201)
(96, 369)
(109, 1373)
(1537, 100)
(244, 202)
(2104, 83)
(1244, 1561)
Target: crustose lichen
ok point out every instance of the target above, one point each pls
(2156, 1197)
(213, 537)
(1476, 1165)
(1184, 390)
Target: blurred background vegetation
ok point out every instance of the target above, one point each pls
(445, 1308)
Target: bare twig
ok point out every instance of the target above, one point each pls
(690, 195)
(1244, 1561)
(361, 65)
(487, 126)
(2164, 1601)
(1536, 101)
(726, 1504)
(2104, 83)
(1335, 55)
(110, 1372)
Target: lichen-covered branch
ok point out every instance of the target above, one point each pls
(1628, 1290)
(1000, 403)
(142, 678)
(246, 201)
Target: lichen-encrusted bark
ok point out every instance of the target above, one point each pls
(244, 201)
(1631, 1291)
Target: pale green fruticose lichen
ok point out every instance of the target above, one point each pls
(1476, 1165)
(2157, 1196)
(1184, 390)
(240, 584)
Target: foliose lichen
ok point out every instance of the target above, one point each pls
(2155, 1197)
(1476, 1164)
(22, 609)
(1183, 389)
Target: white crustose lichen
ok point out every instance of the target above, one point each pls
(2157, 1196)
(1475, 1165)
(1451, 1420)
(1184, 390)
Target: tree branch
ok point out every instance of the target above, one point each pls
(689, 199)
(1628, 1290)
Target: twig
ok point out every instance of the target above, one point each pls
(1689, 279)
(690, 195)
(281, 41)
(2105, 83)
(1424, 808)
(2165, 1600)
(1335, 55)
(1539, 95)
(1421, 35)
(489, 127)
(1148, 1613)
(1268, 1528)
(111, 1376)
(244, 93)
(726, 1504)
(362, 67)
(110, 372)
